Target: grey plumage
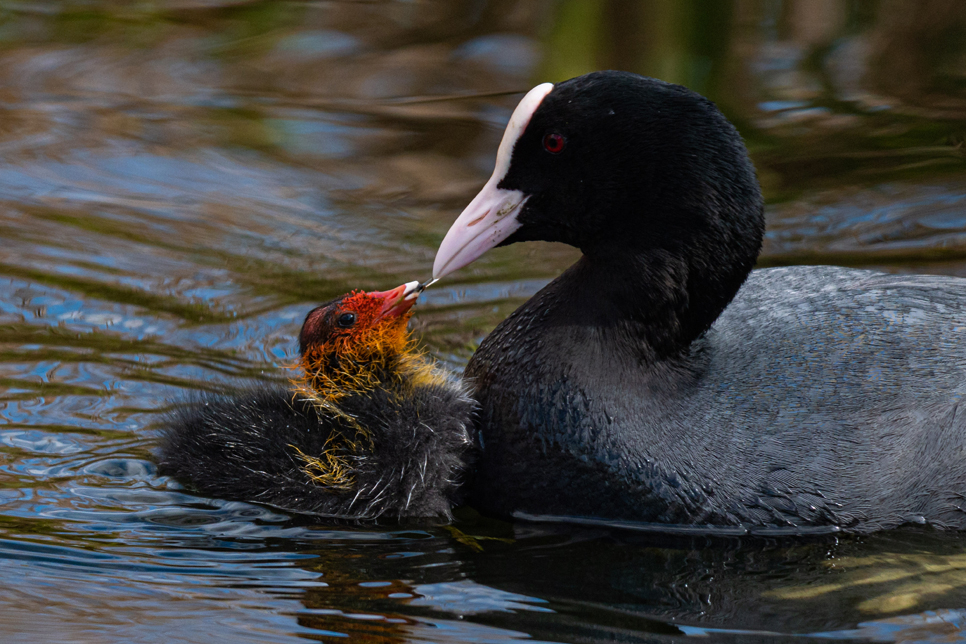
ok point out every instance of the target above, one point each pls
(821, 396)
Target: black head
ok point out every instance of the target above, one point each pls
(633, 171)
(612, 160)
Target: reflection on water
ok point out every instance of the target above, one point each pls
(181, 180)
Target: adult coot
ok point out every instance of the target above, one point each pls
(370, 428)
(659, 379)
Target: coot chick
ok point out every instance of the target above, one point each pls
(659, 379)
(370, 428)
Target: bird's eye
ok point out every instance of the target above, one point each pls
(554, 143)
(346, 320)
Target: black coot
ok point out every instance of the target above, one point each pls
(659, 379)
(369, 429)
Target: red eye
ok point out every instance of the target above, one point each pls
(554, 143)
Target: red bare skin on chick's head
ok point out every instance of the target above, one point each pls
(354, 343)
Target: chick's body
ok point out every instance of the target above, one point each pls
(369, 429)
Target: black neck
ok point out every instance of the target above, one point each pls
(659, 301)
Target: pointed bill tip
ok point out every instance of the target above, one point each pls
(411, 289)
(419, 288)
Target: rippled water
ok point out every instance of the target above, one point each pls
(181, 181)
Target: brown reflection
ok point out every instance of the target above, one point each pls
(364, 596)
(362, 63)
(918, 53)
(363, 614)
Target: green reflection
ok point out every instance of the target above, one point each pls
(678, 41)
(884, 583)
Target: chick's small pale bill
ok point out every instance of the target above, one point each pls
(413, 292)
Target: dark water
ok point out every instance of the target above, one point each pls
(181, 180)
